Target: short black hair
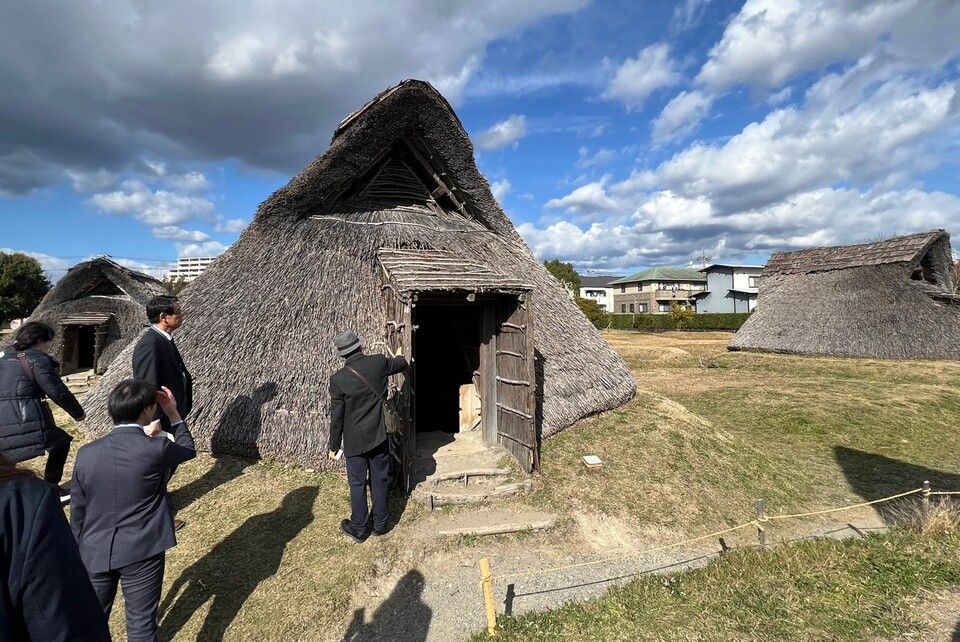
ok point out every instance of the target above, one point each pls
(32, 333)
(129, 399)
(158, 305)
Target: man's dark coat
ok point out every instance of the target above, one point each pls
(25, 429)
(356, 412)
(45, 593)
(157, 360)
(119, 506)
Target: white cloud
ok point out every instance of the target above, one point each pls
(586, 199)
(504, 133)
(601, 157)
(665, 227)
(174, 233)
(639, 77)
(681, 116)
(232, 226)
(771, 41)
(689, 12)
(154, 207)
(500, 189)
(863, 135)
(188, 182)
(194, 250)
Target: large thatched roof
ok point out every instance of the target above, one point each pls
(99, 292)
(399, 194)
(889, 299)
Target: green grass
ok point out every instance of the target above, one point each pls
(809, 591)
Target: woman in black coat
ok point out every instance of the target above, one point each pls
(45, 592)
(27, 375)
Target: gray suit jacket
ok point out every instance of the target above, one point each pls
(119, 507)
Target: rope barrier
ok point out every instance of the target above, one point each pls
(757, 523)
(623, 557)
(487, 577)
(842, 508)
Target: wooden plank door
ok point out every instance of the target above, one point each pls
(516, 381)
(399, 336)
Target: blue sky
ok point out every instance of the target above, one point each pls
(617, 135)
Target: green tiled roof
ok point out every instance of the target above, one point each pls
(687, 275)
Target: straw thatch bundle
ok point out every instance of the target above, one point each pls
(99, 293)
(891, 299)
(397, 192)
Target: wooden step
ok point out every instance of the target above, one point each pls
(466, 475)
(470, 494)
(497, 524)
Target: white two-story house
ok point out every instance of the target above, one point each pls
(730, 288)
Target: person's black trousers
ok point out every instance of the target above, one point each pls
(140, 583)
(56, 460)
(376, 463)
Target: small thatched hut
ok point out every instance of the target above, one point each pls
(96, 309)
(393, 232)
(891, 299)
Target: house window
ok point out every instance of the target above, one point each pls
(623, 307)
(664, 307)
(639, 287)
(642, 307)
(631, 308)
(623, 288)
(754, 281)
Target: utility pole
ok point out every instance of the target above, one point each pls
(702, 258)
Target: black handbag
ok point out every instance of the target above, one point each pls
(392, 416)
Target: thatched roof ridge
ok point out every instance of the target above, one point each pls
(100, 289)
(899, 249)
(314, 261)
(890, 299)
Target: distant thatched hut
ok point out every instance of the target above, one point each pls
(891, 299)
(394, 233)
(96, 309)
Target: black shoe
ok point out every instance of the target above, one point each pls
(380, 533)
(349, 532)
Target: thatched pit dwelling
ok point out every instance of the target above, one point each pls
(394, 233)
(96, 309)
(891, 299)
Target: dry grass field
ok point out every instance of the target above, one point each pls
(709, 432)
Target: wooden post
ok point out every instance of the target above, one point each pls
(487, 581)
(761, 516)
(925, 505)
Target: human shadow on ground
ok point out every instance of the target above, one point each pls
(875, 476)
(403, 617)
(228, 575)
(233, 445)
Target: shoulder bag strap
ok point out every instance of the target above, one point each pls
(366, 383)
(26, 368)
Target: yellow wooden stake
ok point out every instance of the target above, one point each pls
(486, 579)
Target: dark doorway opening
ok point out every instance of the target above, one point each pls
(447, 357)
(86, 347)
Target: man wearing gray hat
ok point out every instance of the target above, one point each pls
(357, 391)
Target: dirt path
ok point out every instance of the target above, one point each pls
(437, 597)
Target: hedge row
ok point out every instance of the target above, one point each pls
(659, 322)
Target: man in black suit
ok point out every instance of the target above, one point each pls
(156, 358)
(356, 419)
(121, 513)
